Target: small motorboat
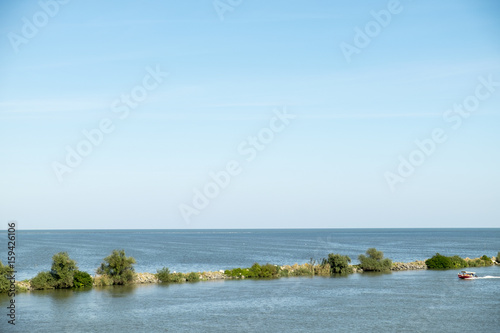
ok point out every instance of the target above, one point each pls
(467, 275)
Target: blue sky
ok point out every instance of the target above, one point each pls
(226, 80)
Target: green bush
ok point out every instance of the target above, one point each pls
(163, 275)
(254, 271)
(237, 272)
(498, 257)
(269, 271)
(118, 267)
(439, 261)
(374, 261)
(5, 271)
(43, 280)
(193, 277)
(103, 280)
(63, 269)
(458, 262)
(487, 260)
(301, 271)
(339, 264)
(82, 280)
(177, 278)
(266, 271)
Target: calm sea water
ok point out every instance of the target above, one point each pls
(419, 301)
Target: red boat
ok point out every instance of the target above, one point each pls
(467, 275)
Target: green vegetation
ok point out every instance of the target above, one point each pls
(63, 274)
(439, 261)
(63, 270)
(177, 278)
(163, 275)
(266, 271)
(5, 272)
(103, 280)
(374, 261)
(339, 264)
(43, 280)
(480, 262)
(118, 267)
(193, 277)
(82, 280)
(237, 272)
(498, 257)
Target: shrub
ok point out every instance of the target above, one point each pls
(301, 271)
(375, 261)
(458, 262)
(163, 275)
(5, 272)
(339, 264)
(439, 261)
(103, 280)
(63, 269)
(254, 271)
(498, 257)
(269, 271)
(487, 260)
(43, 280)
(323, 268)
(266, 271)
(177, 278)
(237, 272)
(118, 267)
(193, 277)
(82, 280)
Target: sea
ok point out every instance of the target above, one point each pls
(408, 301)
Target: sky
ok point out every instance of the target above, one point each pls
(249, 114)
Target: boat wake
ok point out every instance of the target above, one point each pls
(489, 277)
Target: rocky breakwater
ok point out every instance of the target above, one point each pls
(219, 275)
(141, 278)
(408, 266)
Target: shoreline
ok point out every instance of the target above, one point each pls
(295, 270)
(151, 278)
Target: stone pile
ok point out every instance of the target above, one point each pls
(408, 266)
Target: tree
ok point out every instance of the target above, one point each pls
(374, 261)
(339, 264)
(5, 272)
(63, 270)
(118, 267)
